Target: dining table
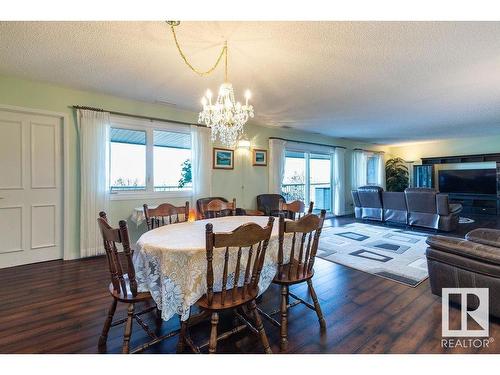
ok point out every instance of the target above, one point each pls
(171, 263)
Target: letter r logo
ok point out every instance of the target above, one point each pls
(480, 315)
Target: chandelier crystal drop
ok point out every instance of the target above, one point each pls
(225, 116)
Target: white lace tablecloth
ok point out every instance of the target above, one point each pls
(171, 262)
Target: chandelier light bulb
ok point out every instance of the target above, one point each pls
(204, 102)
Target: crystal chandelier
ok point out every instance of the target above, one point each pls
(226, 117)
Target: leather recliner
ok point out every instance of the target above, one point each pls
(370, 198)
(473, 262)
(427, 208)
(395, 210)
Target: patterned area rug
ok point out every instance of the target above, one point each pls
(395, 254)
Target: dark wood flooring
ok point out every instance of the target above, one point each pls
(59, 307)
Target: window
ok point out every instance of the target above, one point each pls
(171, 161)
(149, 159)
(128, 160)
(307, 177)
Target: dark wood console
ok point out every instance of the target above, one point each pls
(476, 204)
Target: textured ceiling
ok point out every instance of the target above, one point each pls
(383, 82)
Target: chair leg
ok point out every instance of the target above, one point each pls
(182, 337)
(107, 324)
(128, 329)
(260, 327)
(212, 345)
(284, 318)
(317, 307)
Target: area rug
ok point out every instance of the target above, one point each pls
(391, 253)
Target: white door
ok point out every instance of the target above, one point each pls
(31, 193)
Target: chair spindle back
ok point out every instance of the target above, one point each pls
(250, 240)
(111, 237)
(165, 214)
(217, 208)
(296, 208)
(301, 259)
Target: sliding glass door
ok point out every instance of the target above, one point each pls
(308, 177)
(320, 181)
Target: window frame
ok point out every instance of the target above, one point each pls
(147, 126)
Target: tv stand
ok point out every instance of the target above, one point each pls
(476, 204)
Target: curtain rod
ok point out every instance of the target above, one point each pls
(134, 116)
(308, 143)
(375, 152)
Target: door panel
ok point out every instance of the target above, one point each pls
(11, 154)
(30, 188)
(43, 156)
(11, 220)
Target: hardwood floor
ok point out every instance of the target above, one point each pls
(60, 307)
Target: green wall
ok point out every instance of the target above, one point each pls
(242, 183)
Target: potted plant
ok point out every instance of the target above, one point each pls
(397, 175)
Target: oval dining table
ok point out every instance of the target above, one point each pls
(171, 262)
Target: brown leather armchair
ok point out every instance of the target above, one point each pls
(269, 204)
(473, 262)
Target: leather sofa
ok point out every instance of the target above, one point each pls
(422, 207)
(473, 262)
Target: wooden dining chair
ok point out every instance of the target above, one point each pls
(165, 214)
(246, 246)
(294, 210)
(123, 287)
(217, 208)
(299, 268)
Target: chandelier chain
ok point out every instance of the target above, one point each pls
(223, 52)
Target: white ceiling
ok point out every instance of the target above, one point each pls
(384, 82)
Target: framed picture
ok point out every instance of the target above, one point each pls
(260, 157)
(223, 158)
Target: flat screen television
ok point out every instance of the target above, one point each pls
(468, 181)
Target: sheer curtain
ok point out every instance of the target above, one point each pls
(359, 168)
(201, 162)
(93, 129)
(380, 170)
(339, 181)
(276, 164)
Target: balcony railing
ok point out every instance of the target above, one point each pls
(143, 188)
(320, 195)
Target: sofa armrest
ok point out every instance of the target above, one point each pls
(485, 236)
(465, 248)
(442, 204)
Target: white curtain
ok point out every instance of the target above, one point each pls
(359, 168)
(380, 170)
(201, 162)
(339, 181)
(93, 128)
(276, 164)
